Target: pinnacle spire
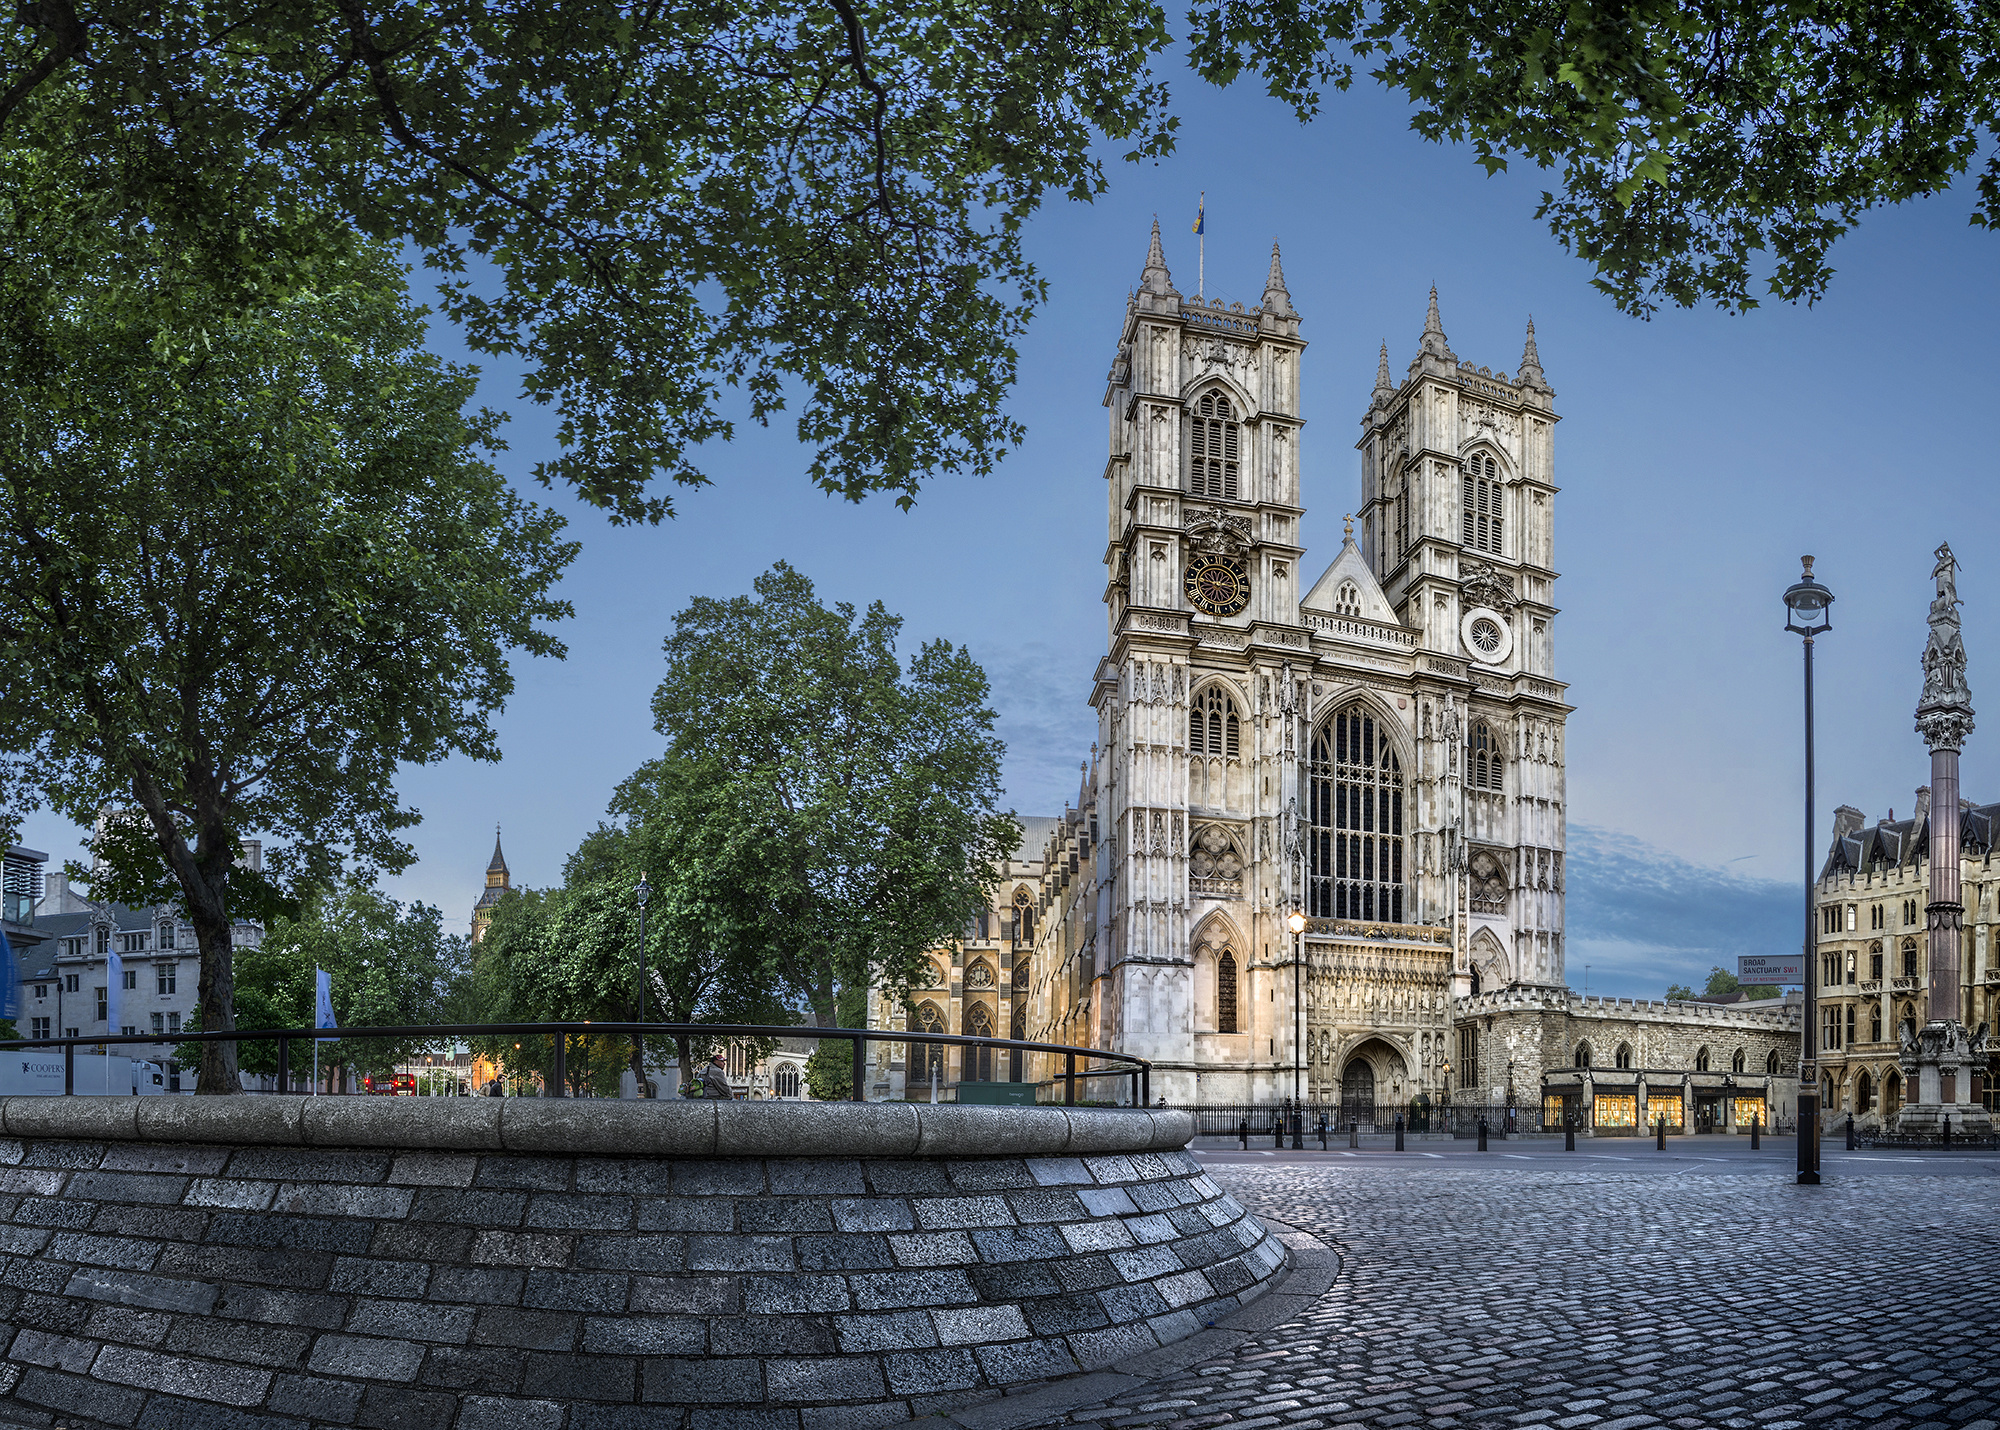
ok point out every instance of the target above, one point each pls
(1156, 279)
(499, 860)
(1384, 388)
(1277, 301)
(1434, 344)
(1530, 374)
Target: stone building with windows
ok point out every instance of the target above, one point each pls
(1873, 948)
(66, 982)
(976, 986)
(1379, 749)
(1619, 1065)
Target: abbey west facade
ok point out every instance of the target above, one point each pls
(1378, 748)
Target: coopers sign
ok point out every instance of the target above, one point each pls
(1767, 969)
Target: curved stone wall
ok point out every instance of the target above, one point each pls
(255, 1263)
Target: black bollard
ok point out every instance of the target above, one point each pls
(1569, 1135)
(1399, 1132)
(1947, 1131)
(1278, 1131)
(1482, 1134)
(1243, 1131)
(1298, 1129)
(1850, 1132)
(1322, 1132)
(1660, 1142)
(1354, 1133)
(1756, 1123)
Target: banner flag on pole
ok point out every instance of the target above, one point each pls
(1201, 216)
(114, 1000)
(323, 999)
(10, 979)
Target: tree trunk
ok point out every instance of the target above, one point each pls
(203, 874)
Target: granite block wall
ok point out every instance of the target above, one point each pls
(252, 1287)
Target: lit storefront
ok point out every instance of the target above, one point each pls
(1617, 1111)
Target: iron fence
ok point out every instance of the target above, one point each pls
(1137, 1069)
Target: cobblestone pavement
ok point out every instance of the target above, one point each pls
(1563, 1297)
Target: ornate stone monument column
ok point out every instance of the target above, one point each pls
(1940, 1058)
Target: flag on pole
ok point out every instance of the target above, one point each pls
(1201, 216)
(323, 999)
(114, 1001)
(10, 979)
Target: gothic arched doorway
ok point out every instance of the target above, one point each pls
(1357, 1092)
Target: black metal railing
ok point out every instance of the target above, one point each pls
(1139, 1070)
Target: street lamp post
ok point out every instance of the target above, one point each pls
(643, 1088)
(1807, 601)
(1298, 925)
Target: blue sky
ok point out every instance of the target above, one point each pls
(1699, 455)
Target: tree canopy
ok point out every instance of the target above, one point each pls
(836, 813)
(572, 953)
(388, 966)
(1705, 152)
(668, 200)
(822, 204)
(251, 557)
(1721, 980)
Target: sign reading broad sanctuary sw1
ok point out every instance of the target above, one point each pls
(1759, 968)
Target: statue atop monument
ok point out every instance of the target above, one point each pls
(1944, 710)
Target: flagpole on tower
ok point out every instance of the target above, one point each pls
(1201, 232)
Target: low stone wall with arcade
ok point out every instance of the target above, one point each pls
(254, 1263)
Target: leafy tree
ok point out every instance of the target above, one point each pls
(389, 966)
(1721, 980)
(250, 561)
(1679, 993)
(826, 201)
(839, 810)
(571, 954)
(1705, 152)
(671, 200)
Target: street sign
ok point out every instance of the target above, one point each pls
(1762, 968)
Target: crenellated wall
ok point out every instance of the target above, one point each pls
(258, 1263)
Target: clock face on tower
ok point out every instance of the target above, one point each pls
(1219, 585)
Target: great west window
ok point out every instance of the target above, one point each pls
(1355, 820)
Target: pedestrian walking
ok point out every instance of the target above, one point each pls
(715, 1080)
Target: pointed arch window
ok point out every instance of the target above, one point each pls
(1213, 447)
(1483, 766)
(1701, 1061)
(1225, 992)
(1355, 820)
(1624, 1055)
(1736, 1061)
(927, 1058)
(1482, 505)
(1583, 1055)
(1213, 725)
(1349, 601)
(977, 1064)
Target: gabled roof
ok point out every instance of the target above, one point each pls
(1891, 842)
(1350, 565)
